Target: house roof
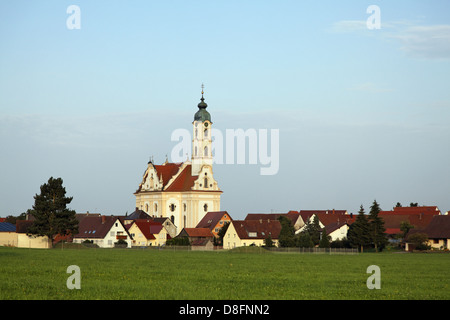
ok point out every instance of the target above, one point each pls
(95, 227)
(137, 214)
(394, 221)
(331, 227)
(7, 227)
(291, 215)
(211, 219)
(327, 217)
(438, 228)
(424, 210)
(197, 232)
(257, 229)
(148, 227)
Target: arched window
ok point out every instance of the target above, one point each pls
(206, 133)
(195, 151)
(172, 218)
(196, 133)
(172, 207)
(184, 207)
(206, 183)
(184, 221)
(205, 207)
(206, 151)
(146, 207)
(156, 207)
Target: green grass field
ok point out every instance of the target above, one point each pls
(152, 274)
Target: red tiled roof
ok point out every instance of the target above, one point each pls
(425, 210)
(148, 227)
(438, 228)
(257, 229)
(291, 215)
(198, 232)
(327, 217)
(184, 181)
(211, 219)
(95, 227)
(167, 171)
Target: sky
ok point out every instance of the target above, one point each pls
(362, 113)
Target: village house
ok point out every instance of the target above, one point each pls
(103, 231)
(171, 229)
(146, 232)
(437, 231)
(214, 221)
(251, 233)
(335, 222)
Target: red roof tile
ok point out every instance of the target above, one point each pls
(257, 229)
(197, 232)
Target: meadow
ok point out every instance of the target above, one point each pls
(227, 275)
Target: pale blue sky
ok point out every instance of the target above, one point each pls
(363, 114)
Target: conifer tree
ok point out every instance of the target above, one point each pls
(325, 240)
(286, 237)
(377, 230)
(358, 233)
(52, 217)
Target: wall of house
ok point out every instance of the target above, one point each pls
(8, 239)
(339, 234)
(231, 239)
(24, 241)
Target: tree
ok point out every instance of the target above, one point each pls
(398, 205)
(313, 228)
(358, 233)
(304, 240)
(52, 217)
(222, 232)
(268, 242)
(324, 240)
(412, 204)
(377, 230)
(419, 240)
(286, 237)
(405, 226)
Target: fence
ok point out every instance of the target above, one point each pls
(316, 250)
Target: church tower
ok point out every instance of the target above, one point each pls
(201, 142)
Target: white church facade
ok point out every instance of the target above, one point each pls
(183, 192)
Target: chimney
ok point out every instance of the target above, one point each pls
(333, 211)
(260, 220)
(103, 219)
(268, 220)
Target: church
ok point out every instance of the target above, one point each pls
(183, 192)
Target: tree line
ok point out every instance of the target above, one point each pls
(367, 230)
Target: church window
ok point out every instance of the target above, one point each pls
(195, 151)
(172, 207)
(196, 133)
(184, 207)
(206, 133)
(206, 151)
(156, 207)
(206, 182)
(184, 221)
(172, 218)
(146, 207)
(205, 207)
